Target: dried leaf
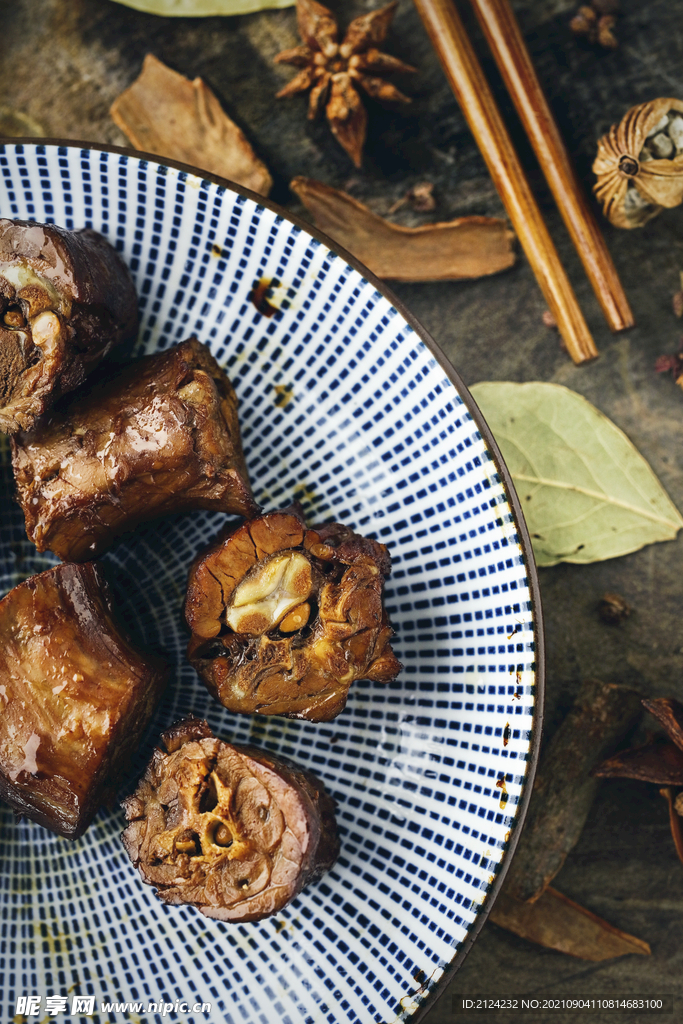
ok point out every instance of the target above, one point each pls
(558, 923)
(164, 113)
(202, 8)
(450, 251)
(586, 492)
(659, 761)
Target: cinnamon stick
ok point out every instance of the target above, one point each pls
(481, 112)
(507, 45)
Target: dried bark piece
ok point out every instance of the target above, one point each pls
(164, 113)
(234, 831)
(639, 165)
(556, 922)
(159, 436)
(335, 70)
(564, 789)
(448, 251)
(75, 695)
(66, 300)
(284, 618)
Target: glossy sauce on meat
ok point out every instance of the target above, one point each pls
(66, 300)
(75, 697)
(159, 436)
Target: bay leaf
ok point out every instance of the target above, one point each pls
(202, 8)
(586, 492)
(556, 922)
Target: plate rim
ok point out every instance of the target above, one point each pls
(438, 990)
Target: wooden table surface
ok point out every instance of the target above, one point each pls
(64, 61)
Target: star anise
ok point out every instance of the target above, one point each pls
(659, 761)
(333, 71)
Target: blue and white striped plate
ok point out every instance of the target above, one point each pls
(346, 406)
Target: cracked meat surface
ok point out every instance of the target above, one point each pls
(66, 300)
(160, 436)
(285, 618)
(75, 697)
(234, 831)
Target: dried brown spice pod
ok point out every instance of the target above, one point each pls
(234, 831)
(165, 113)
(66, 300)
(285, 618)
(334, 71)
(447, 251)
(639, 165)
(159, 436)
(75, 696)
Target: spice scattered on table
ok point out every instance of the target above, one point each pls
(165, 113)
(446, 251)
(613, 609)
(420, 197)
(596, 22)
(335, 71)
(672, 363)
(639, 165)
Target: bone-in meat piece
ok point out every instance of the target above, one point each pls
(75, 697)
(234, 831)
(160, 436)
(283, 618)
(66, 299)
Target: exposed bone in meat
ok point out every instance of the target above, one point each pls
(160, 436)
(75, 697)
(66, 299)
(283, 618)
(234, 831)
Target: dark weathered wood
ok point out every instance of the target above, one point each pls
(481, 111)
(506, 41)
(564, 790)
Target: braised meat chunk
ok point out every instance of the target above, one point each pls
(66, 299)
(234, 831)
(160, 436)
(284, 618)
(75, 697)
